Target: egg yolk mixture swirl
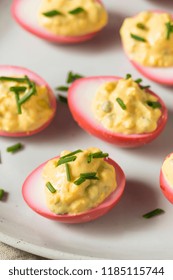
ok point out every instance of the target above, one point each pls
(167, 170)
(148, 38)
(122, 106)
(33, 112)
(72, 18)
(79, 181)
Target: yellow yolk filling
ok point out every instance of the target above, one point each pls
(157, 50)
(137, 117)
(91, 19)
(71, 198)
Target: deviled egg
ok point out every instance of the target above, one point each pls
(76, 187)
(148, 42)
(166, 177)
(27, 103)
(117, 110)
(61, 21)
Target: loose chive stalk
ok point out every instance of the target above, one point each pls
(14, 148)
(138, 38)
(18, 89)
(97, 155)
(71, 77)
(153, 213)
(68, 172)
(50, 187)
(76, 11)
(128, 76)
(66, 160)
(154, 104)
(62, 88)
(169, 30)
(121, 103)
(141, 26)
(144, 87)
(1, 194)
(72, 153)
(62, 98)
(53, 13)
(79, 181)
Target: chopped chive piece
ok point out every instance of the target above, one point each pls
(153, 213)
(141, 26)
(90, 175)
(1, 194)
(72, 153)
(76, 11)
(13, 79)
(138, 38)
(79, 181)
(154, 104)
(121, 103)
(62, 88)
(144, 87)
(62, 99)
(169, 27)
(72, 77)
(52, 13)
(128, 76)
(97, 155)
(19, 110)
(28, 95)
(14, 148)
(28, 81)
(138, 81)
(50, 187)
(68, 172)
(18, 89)
(65, 160)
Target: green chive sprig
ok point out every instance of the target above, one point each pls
(71, 77)
(2, 192)
(76, 11)
(62, 98)
(68, 172)
(14, 148)
(121, 103)
(62, 88)
(66, 160)
(137, 38)
(13, 79)
(96, 155)
(85, 176)
(53, 13)
(128, 76)
(140, 25)
(169, 30)
(153, 213)
(50, 187)
(138, 81)
(72, 153)
(154, 104)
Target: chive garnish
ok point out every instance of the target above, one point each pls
(169, 27)
(141, 26)
(144, 87)
(19, 110)
(13, 79)
(154, 104)
(71, 77)
(72, 153)
(14, 148)
(1, 194)
(52, 13)
(50, 187)
(84, 176)
(153, 213)
(66, 160)
(29, 94)
(138, 38)
(76, 11)
(62, 88)
(68, 172)
(97, 155)
(121, 103)
(18, 89)
(128, 76)
(79, 181)
(62, 98)
(138, 81)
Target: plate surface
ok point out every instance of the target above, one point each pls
(122, 233)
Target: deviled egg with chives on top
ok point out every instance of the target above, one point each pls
(147, 40)
(61, 21)
(75, 187)
(118, 110)
(27, 103)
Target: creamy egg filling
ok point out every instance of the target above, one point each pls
(72, 18)
(148, 38)
(122, 106)
(20, 112)
(78, 181)
(167, 170)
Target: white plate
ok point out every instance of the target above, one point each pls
(122, 233)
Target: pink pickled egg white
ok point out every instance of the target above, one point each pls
(80, 97)
(10, 71)
(34, 195)
(165, 187)
(25, 13)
